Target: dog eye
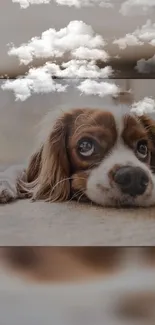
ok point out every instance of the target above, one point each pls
(86, 147)
(142, 149)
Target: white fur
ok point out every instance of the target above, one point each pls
(99, 188)
(8, 183)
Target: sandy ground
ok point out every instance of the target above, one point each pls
(41, 223)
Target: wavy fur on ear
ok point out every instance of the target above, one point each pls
(48, 170)
(149, 125)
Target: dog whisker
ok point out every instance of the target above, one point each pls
(76, 194)
(80, 197)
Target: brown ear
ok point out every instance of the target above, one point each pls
(34, 166)
(48, 171)
(149, 125)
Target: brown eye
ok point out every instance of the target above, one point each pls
(86, 147)
(142, 149)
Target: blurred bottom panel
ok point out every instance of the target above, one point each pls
(77, 286)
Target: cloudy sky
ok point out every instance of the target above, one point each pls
(83, 48)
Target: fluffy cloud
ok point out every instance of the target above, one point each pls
(86, 3)
(74, 69)
(127, 40)
(25, 3)
(146, 33)
(93, 87)
(36, 81)
(91, 54)
(141, 35)
(77, 3)
(128, 7)
(77, 38)
(144, 106)
(136, 7)
(82, 46)
(39, 80)
(83, 69)
(146, 66)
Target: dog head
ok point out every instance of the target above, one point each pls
(93, 154)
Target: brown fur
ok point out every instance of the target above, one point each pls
(57, 173)
(51, 167)
(68, 263)
(149, 125)
(60, 263)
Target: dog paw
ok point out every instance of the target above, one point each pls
(8, 190)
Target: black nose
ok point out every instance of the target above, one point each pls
(131, 180)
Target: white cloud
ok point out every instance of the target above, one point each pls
(147, 32)
(91, 54)
(39, 80)
(92, 87)
(146, 66)
(141, 35)
(77, 38)
(83, 48)
(83, 69)
(36, 81)
(75, 69)
(25, 3)
(85, 3)
(128, 40)
(137, 7)
(77, 3)
(144, 106)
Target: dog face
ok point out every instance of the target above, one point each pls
(94, 155)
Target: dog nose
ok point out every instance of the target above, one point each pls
(131, 180)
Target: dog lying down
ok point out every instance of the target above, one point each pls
(94, 285)
(89, 155)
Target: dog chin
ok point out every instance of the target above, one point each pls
(124, 201)
(121, 203)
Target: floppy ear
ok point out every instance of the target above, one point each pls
(149, 124)
(48, 171)
(34, 166)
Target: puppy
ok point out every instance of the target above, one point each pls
(89, 155)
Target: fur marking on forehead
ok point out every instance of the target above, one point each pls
(94, 118)
(134, 130)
